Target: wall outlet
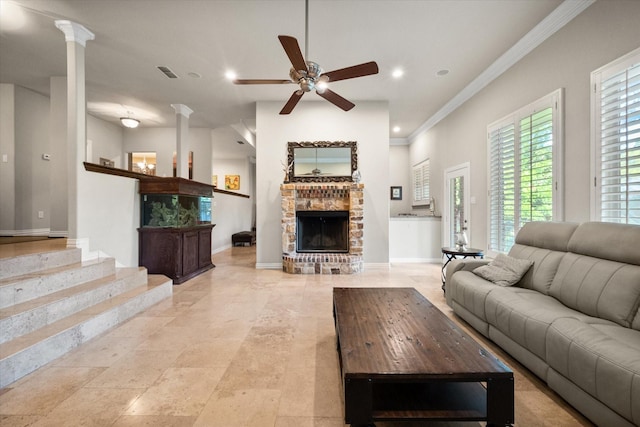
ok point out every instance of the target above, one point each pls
(5, 158)
(40, 214)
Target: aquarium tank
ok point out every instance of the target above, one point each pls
(172, 210)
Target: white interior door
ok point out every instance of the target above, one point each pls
(456, 209)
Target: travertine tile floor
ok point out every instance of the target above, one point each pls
(235, 346)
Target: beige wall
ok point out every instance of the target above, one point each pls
(605, 31)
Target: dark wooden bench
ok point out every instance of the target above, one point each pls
(244, 237)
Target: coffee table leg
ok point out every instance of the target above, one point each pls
(500, 397)
(358, 403)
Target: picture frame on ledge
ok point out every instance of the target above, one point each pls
(396, 193)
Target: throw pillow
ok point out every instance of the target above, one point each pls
(504, 270)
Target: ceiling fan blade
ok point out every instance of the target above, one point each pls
(361, 70)
(336, 99)
(291, 47)
(291, 103)
(260, 81)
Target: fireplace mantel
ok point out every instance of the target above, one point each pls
(331, 196)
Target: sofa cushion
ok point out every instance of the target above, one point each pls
(545, 266)
(525, 316)
(602, 359)
(469, 291)
(554, 236)
(615, 242)
(598, 287)
(504, 270)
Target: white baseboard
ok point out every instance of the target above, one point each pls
(268, 266)
(62, 233)
(415, 260)
(32, 232)
(220, 249)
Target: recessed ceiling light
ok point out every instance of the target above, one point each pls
(397, 73)
(195, 75)
(12, 16)
(230, 75)
(396, 129)
(442, 72)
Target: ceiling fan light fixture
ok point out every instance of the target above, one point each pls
(307, 84)
(128, 122)
(321, 86)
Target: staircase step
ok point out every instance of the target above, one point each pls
(27, 353)
(29, 286)
(26, 317)
(30, 263)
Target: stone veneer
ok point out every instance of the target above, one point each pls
(322, 197)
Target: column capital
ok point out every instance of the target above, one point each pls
(74, 32)
(182, 109)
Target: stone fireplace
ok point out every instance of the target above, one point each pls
(315, 219)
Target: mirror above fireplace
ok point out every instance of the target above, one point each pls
(322, 161)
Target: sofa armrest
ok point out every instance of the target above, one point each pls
(464, 265)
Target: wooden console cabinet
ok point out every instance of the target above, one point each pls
(175, 233)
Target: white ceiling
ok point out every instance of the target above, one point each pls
(209, 37)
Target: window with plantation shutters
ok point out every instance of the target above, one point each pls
(502, 213)
(524, 151)
(421, 183)
(616, 136)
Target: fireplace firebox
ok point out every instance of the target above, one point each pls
(322, 231)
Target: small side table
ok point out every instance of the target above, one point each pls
(455, 253)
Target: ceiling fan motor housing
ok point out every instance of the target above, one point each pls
(306, 78)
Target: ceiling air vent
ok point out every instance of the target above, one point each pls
(167, 72)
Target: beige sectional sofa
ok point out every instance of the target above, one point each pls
(573, 318)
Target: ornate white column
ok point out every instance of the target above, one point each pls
(76, 37)
(182, 139)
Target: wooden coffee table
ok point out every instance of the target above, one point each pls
(402, 359)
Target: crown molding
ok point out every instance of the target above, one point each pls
(557, 19)
(398, 141)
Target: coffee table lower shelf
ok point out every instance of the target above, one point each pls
(384, 400)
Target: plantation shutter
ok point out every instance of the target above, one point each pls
(536, 167)
(421, 183)
(502, 206)
(619, 149)
(525, 174)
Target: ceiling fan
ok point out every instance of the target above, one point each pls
(309, 75)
